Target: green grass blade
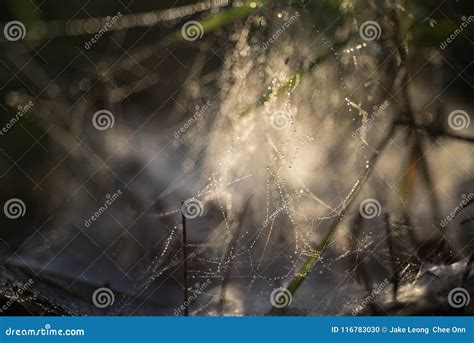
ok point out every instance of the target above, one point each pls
(312, 260)
(219, 20)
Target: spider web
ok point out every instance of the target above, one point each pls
(271, 163)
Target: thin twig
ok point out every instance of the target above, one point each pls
(437, 132)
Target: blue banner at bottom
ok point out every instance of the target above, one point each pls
(237, 329)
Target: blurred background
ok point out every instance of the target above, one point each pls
(234, 157)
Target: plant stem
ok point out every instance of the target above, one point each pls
(434, 132)
(218, 20)
(312, 260)
(292, 81)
